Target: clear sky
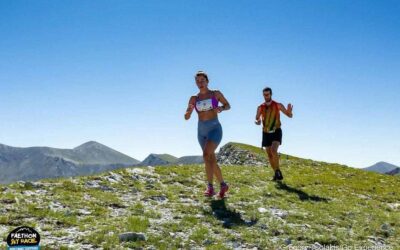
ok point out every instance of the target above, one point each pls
(121, 73)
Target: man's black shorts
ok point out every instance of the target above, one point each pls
(268, 138)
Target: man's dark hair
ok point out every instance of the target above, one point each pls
(267, 89)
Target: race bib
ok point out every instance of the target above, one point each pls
(204, 105)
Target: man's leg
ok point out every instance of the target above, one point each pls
(275, 155)
(268, 151)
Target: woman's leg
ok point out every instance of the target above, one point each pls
(207, 164)
(210, 148)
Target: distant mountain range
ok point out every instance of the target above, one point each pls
(384, 168)
(34, 163)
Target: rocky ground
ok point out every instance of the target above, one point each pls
(317, 205)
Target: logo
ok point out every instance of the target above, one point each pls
(23, 238)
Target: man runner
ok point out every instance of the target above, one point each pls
(269, 114)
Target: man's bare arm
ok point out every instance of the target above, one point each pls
(287, 111)
(258, 116)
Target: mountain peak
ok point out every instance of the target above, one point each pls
(159, 159)
(381, 167)
(90, 144)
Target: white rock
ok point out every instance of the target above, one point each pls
(262, 210)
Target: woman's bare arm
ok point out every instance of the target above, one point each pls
(221, 98)
(190, 107)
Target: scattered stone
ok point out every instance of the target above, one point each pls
(394, 206)
(262, 210)
(186, 200)
(250, 223)
(96, 184)
(117, 205)
(385, 227)
(149, 186)
(387, 230)
(288, 242)
(118, 212)
(199, 216)
(231, 155)
(28, 193)
(159, 198)
(113, 177)
(136, 177)
(135, 170)
(8, 201)
(92, 184)
(55, 206)
(135, 190)
(275, 239)
(106, 188)
(67, 212)
(235, 244)
(278, 212)
(131, 236)
(84, 212)
(376, 241)
(207, 242)
(277, 232)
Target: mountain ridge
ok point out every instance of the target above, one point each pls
(33, 163)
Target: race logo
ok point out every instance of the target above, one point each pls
(23, 238)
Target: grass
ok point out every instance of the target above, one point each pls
(326, 203)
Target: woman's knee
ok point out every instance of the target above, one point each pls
(208, 156)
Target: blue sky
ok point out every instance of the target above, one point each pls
(121, 73)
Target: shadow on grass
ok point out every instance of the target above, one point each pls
(228, 217)
(303, 196)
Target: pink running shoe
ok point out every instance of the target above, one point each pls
(223, 190)
(209, 191)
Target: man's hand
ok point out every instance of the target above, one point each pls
(289, 110)
(290, 107)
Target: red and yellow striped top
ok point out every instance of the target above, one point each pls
(270, 116)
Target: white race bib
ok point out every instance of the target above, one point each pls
(204, 105)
